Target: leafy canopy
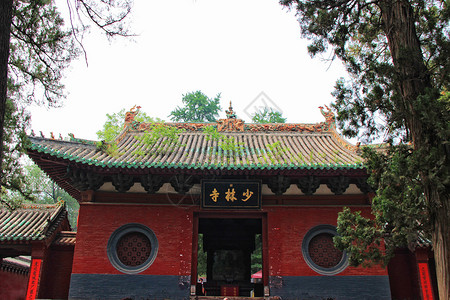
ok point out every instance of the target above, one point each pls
(42, 47)
(14, 134)
(397, 56)
(41, 189)
(197, 108)
(268, 115)
(114, 124)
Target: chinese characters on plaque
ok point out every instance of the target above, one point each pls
(231, 194)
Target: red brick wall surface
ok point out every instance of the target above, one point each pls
(403, 277)
(172, 226)
(286, 228)
(55, 278)
(13, 286)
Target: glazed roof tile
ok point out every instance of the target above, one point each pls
(20, 264)
(30, 223)
(227, 147)
(193, 149)
(65, 238)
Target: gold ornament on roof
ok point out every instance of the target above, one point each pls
(231, 123)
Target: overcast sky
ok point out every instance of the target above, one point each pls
(250, 51)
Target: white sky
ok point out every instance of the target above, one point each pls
(238, 48)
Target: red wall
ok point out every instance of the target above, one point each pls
(403, 276)
(55, 278)
(172, 226)
(286, 228)
(13, 286)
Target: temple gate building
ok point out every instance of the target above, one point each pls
(236, 187)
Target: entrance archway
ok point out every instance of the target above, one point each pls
(234, 251)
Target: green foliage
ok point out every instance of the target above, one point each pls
(256, 257)
(356, 233)
(16, 123)
(41, 48)
(109, 148)
(277, 150)
(399, 207)
(197, 108)
(268, 115)
(45, 190)
(228, 144)
(165, 136)
(41, 189)
(369, 103)
(201, 258)
(114, 124)
(397, 90)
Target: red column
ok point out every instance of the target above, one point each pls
(424, 274)
(37, 255)
(265, 255)
(194, 274)
(33, 281)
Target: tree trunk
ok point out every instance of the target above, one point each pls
(441, 246)
(413, 81)
(5, 29)
(412, 74)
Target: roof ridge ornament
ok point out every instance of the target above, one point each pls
(330, 117)
(130, 115)
(231, 123)
(230, 113)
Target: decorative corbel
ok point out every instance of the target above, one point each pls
(122, 182)
(363, 186)
(338, 185)
(308, 184)
(84, 180)
(279, 184)
(151, 183)
(182, 183)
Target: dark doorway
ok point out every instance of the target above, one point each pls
(233, 248)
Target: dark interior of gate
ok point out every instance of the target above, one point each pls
(229, 244)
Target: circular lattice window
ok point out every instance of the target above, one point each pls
(132, 248)
(319, 251)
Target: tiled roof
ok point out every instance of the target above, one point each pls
(244, 147)
(65, 238)
(20, 264)
(30, 223)
(193, 150)
(228, 147)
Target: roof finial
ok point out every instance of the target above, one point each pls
(329, 116)
(230, 113)
(129, 115)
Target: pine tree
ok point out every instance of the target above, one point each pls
(397, 57)
(36, 47)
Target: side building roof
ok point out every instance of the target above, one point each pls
(35, 222)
